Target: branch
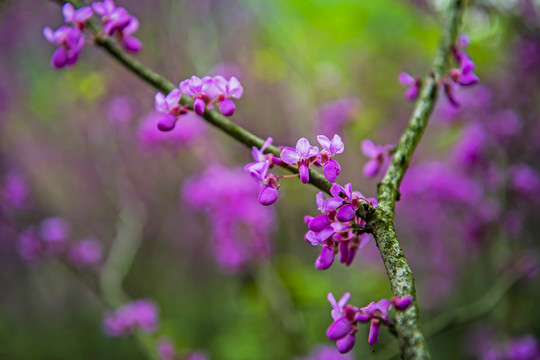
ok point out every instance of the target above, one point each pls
(411, 339)
(412, 342)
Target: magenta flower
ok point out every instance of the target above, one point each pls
(259, 155)
(301, 156)
(331, 168)
(184, 132)
(137, 315)
(15, 190)
(269, 183)
(77, 17)
(168, 105)
(344, 328)
(201, 90)
(166, 349)
(118, 20)
(465, 75)
(227, 90)
(85, 253)
(29, 245)
(377, 313)
(413, 85)
(55, 232)
(378, 155)
(71, 43)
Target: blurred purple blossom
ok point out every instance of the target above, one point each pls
(137, 315)
(241, 232)
(15, 191)
(184, 133)
(333, 116)
(85, 253)
(121, 109)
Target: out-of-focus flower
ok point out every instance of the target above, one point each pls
(85, 253)
(29, 245)
(55, 232)
(333, 116)
(15, 190)
(137, 315)
(120, 109)
(166, 349)
(241, 232)
(379, 157)
(183, 134)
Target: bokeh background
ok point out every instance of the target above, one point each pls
(233, 280)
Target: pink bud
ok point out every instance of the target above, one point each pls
(326, 259)
(347, 343)
(339, 328)
(346, 213)
(167, 122)
(198, 106)
(374, 331)
(227, 107)
(318, 223)
(403, 303)
(268, 195)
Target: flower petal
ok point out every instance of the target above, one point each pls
(290, 155)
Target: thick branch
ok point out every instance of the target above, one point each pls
(411, 339)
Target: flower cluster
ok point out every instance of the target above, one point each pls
(462, 76)
(119, 23)
(70, 37)
(52, 238)
(379, 157)
(137, 315)
(241, 227)
(302, 157)
(346, 319)
(205, 92)
(339, 228)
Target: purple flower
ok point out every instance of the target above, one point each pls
(228, 89)
(465, 75)
(413, 85)
(344, 328)
(259, 155)
(378, 314)
(15, 190)
(378, 155)
(184, 132)
(120, 109)
(524, 180)
(301, 157)
(118, 20)
(71, 43)
(55, 232)
(77, 17)
(201, 90)
(269, 184)
(29, 245)
(240, 233)
(166, 349)
(137, 315)
(524, 348)
(85, 253)
(331, 168)
(168, 105)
